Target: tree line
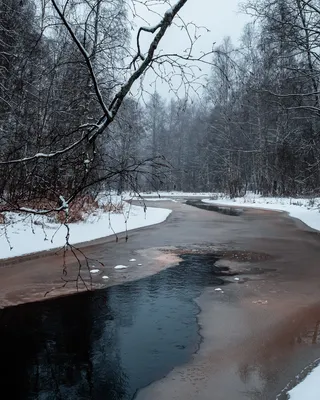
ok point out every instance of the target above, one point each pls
(254, 126)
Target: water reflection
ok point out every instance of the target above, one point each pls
(277, 363)
(106, 344)
(213, 207)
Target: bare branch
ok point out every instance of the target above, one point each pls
(86, 58)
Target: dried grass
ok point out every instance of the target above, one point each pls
(84, 206)
(116, 208)
(79, 209)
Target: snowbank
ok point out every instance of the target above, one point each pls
(173, 194)
(307, 210)
(28, 234)
(309, 388)
(160, 199)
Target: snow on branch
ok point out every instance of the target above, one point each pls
(110, 112)
(142, 29)
(162, 28)
(46, 155)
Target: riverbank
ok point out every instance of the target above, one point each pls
(257, 334)
(24, 234)
(304, 209)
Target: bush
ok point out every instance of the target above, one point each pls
(79, 209)
(116, 208)
(84, 206)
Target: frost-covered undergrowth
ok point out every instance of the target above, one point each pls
(25, 234)
(307, 210)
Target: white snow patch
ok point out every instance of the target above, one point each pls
(218, 290)
(25, 234)
(263, 302)
(309, 388)
(105, 277)
(120, 267)
(132, 260)
(64, 203)
(167, 195)
(94, 271)
(160, 199)
(163, 199)
(306, 210)
(237, 279)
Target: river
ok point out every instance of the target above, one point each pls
(105, 344)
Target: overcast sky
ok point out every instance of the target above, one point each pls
(222, 18)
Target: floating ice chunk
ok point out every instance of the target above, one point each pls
(139, 265)
(120, 267)
(132, 260)
(218, 290)
(260, 302)
(105, 277)
(94, 271)
(237, 279)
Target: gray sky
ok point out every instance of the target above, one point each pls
(222, 18)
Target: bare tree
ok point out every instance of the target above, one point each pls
(89, 73)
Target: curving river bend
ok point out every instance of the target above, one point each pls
(108, 344)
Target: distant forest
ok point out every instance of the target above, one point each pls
(255, 125)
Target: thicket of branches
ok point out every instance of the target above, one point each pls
(48, 101)
(69, 123)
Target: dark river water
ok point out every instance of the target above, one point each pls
(105, 344)
(213, 207)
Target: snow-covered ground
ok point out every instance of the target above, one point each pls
(309, 388)
(164, 195)
(29, 234)
(307, 210)
(161, 199)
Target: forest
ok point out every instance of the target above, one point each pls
(253, 124)
(256, 124)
